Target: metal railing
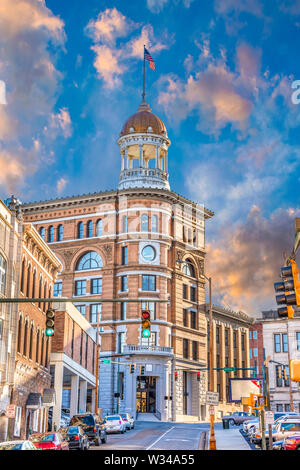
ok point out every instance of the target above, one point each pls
(142, 348)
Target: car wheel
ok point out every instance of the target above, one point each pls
(104, 440)
(98, 441)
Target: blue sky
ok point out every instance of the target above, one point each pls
(222, 85)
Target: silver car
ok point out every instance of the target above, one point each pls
(129, 421)
(114, 423)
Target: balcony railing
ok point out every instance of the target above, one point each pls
(130, 348)
(142, 172)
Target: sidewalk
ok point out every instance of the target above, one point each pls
(230, 439)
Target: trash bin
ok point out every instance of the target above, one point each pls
(225, 423)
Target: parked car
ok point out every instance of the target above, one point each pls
(252, 427)
(64, 420)
(17, 445)
(77, 438)
(129, 421)
(278, 445)
(238, 417)
(115, 423)
(50, 441)
(283, 429)
(292, 442)
(92, 426)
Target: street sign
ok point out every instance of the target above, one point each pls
(212, 398)
(211, 409)
(106, 361)
(10, 411)
(269, 417)
(229, 369)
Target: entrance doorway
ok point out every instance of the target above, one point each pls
(146, 394)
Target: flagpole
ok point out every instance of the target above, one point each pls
(144, 93)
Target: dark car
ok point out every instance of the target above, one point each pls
(238, 417)
(92, 426)
(77, 438)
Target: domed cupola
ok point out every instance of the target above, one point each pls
(144, 146)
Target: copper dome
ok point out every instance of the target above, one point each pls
(141, 121)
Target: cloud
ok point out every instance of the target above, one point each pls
(156, 6)
(231, 11)
(112, 58)
(247, 262)
(61, 184)
(61, 122)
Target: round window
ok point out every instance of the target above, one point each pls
(148, 253)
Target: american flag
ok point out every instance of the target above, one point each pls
(148, 57)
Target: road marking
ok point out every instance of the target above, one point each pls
(180, 440)
(160, 437)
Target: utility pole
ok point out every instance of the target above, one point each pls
(97, 365)
(289, 358)
(268, 399)
(212, 439)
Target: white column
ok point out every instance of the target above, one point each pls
(157, 156)
(82, 396)
(74, 395)
(166, 162)
(126, 159)
(58, 385)
(141, 155)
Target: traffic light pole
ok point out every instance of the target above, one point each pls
(212, 439)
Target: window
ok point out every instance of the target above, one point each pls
(234, 339)
(121, 342)
(89, 229)
(185, 348)
(195, 350)
(80, 287)
(148, 253)
(33, 284)
(96, 286)
(3, 266)
(151, 307)
(287, 380)
(99, 228)
(17, 427)
(249, 334)
(144, 223)
(226, 337)
(287, 407)
(19, 334)
(50, 234)
(25, 338)
(279, 407)
(42, 233)
(254, 334)
(124, 255)
(81, 309)
(28, 280)
(124, 224)
(57, 289)
(298, 340)
(23, 276)
(60, 231)
(188, 269)
(193, 320)
(218, 335)
(148, 283)
(30, 341)
(123, 283)
(255, 352)
(185, 317)
(123, 311)
(80, 230)
(185, 291)
(37, 345)
(277, 343)
(90, 260)
(250, 353)
(243, 342)
(284, 343)
(154, 223)
(278, 379)
(95, 312)
(193, 293)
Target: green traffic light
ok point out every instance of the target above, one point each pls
(49, 332)
(146, 333)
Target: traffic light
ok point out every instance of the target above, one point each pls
(132, 368)
(249, 401)
(295, 370)
(288, 290)
(285, 374)
(198, 376)
(176, 376)
(142, 370)
(50, 318)
(146, 324)
(279, 372)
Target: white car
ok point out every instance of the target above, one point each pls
(114, 423)
(17, 445)
(129, 421)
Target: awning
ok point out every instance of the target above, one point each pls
(34, 401)
(49, 397)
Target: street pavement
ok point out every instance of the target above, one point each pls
(157, 436)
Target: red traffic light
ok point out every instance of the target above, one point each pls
(145, 314)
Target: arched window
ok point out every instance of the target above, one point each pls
(42, 348)
(40, 290)
(99, 228)
(154, 223)
(50, 234)
(30, 341)
(25, 338)
(60, 231)
(188, 268)
(124, 224)
(80, 230)
(47, 352)
(90, 260)
(37, 345)
(28, 281)
(42, 232)
(144, 224)
(23, 276)
(3, 266)
(45, 305)
(33, 284)
(89, 229)
(19, 333)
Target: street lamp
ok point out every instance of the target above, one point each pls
(212, 440)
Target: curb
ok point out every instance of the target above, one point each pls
(203, 441)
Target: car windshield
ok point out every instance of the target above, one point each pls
(290, 426)
(84, 419)
(42, 438)
(73, 430)
(11, 447)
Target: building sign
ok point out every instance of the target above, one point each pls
(10, 411)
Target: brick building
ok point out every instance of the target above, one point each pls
(141, 241)
(39, 267)
(256, 346)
